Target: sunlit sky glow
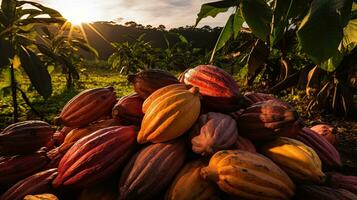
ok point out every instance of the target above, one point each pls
(171, 13)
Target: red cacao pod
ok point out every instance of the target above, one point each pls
(148, 81)
(213, 132)
(245, 145)
(255, 97)
(87, 107)
(25, 137)
(151, 170)
(35, 184)
(314, 192)
(219, 90)
(328, 154)
(55, 157)
(15, 168)
(337, 180)
(96, 156)
(327, 131)
(58, 136)
(268, 120)
(130, 108)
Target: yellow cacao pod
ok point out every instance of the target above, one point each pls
(170, 115)
(295, 158)
(248, 175)
(188, 184)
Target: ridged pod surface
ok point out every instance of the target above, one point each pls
(337, 180)
(15, 168)
(245, 145)
(219, 90)
(35, 184)
(188, 184)
(295, 158)
(78, 133)
(213, 132)
(315, 192)
(268, 120)
(327, 153)
(45, 196)
(25, 137)
(151, 170)
(95, 156)
(55, 157)
(130, 108)
(169, 115)
(327, 131)
(87, 107)
(248, 175)
(255, 97)
(148, 81)
(58, 136)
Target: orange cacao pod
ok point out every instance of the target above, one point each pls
(25, 137)
(314, 192)
(45, 196)
(267, 120)
(151, 170)
(213, 132)
(245, 145)
(337, 180)
(35, 184)
(58, 136)
(327, 131)
(95, 156)
(130, 108)
(219, 90)
(148, 81)
(188, 184)
(327, 153)
(87, 107)
(78, 133)
(15, 168)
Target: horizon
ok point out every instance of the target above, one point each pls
(177, 13)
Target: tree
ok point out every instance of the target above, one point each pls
(131, 24)
(16, 43)
(161, 27)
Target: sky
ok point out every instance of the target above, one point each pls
(171, 13)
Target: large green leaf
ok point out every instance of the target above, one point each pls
(280, 17)
(36, 71)
(258, 16)
(225, 35)
(30, 12)
(46, 10)
(257, 57)
(350, 33)
(9, 9)
(213, 8)
(237, 23)
(332, 63)
(85, 47)
(23, 22)
(321, 31)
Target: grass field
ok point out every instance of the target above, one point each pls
(51, 107)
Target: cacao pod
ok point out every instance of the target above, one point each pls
(129, 108)
(219, 90)
(213, 132)
(58, 136)
(151, 170)
(188, 184)
(314, 192)
(337, 180)
(170, 116)
(87, 107)
(95, 156)
(295, 158)
(245, 145)
(255, 97)
(327, 153)
(248, 175)
(41, 197)
(148, 81)
(327, 131)
(25, 137)
(35, 184)
(55, 157)
(79, 133)
(104, 191)
(15, 168)
(268, 120)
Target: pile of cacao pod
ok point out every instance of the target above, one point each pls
(192, 138)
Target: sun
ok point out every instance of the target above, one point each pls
(77, 11)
